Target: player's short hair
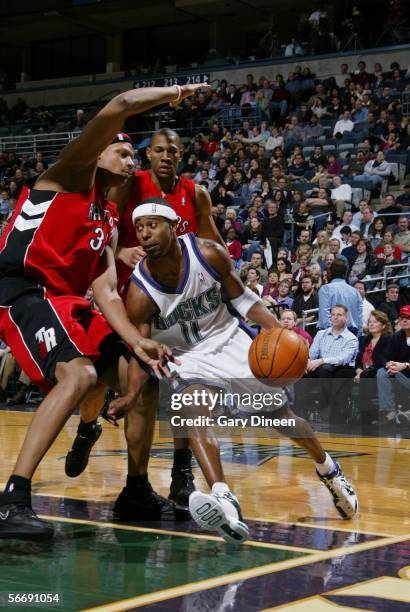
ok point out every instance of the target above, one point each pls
(168, 133)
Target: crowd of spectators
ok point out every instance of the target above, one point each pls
(285, 198)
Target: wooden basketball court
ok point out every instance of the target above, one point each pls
(300, 556)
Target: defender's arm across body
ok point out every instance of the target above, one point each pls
(247, 303)
(112, 307)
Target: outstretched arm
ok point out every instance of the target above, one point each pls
(242, 299)
(75, 168)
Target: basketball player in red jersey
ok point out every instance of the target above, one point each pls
(62, 239)
(192, 205)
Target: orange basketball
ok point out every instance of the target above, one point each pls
(278, 354)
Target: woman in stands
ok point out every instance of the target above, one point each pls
(371, 356)
(376, 232)
(283, 269)
(234, 246)
(322, 247)
(364, 263)
(270, 289)
(251, 238)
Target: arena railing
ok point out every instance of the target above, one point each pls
(47, 144)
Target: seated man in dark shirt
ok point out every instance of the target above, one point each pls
(297, 170)
(392, 302)
(395, 373)
(306, 300)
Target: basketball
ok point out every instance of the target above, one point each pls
(278, 354)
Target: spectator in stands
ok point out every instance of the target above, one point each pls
(402, 238)
(375, 170)
(322, 247)
(234, 246)
(4, 204)
(343, 75)
(346, 221)
(318, 158)
(289, 321)
(256, 262)
(404, 198)
(356, 166)
(273, 227)
(365, 263)
(350, 252)
(396, 371)
(334, 167)
(280, 98)
(313, 129)
(233, 95)
(339, 291)
(270, 289)
(293, 133)
(392, 302)
(284, 297)
(300, 269)
(306, 299)
(302, 219)
(373, 347)
(283, 269)
(275, 139)
(297, 168)
(376, 232)
(390, 208)
(253, 281)
(358, 216)
(367, 219)
(388, 239)
(367, 306)
(341, 195)
(345, 124)
(332, 360)
(360, 113)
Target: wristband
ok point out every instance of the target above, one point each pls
(244, 302)
(179, 96)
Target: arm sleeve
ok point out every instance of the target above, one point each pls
(324, 308)
(359, 316)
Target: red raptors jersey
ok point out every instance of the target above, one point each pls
(182, 200)
(58, 239)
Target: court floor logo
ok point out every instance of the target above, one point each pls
(239, 453)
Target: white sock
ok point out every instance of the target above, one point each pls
(219, 488)
(327, 466)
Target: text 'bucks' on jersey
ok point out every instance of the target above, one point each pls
(192, 316)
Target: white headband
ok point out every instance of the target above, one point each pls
(150, 209)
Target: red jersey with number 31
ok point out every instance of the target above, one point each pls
(58, 239)
(182, 200)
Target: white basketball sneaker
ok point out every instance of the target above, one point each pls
(220, 513)
(344, 496)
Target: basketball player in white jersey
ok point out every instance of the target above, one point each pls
(175, 295)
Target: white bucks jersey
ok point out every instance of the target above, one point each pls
(192, 317)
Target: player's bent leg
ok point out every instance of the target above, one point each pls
(138, 501)
(17, 519)
(328, 470)
(182, 478)
(88, 432)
